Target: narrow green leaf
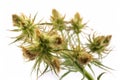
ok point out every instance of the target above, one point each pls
(99, 77)
(36, 63)
(91, 69)
(34, 17)
(100, 65)
(45, 70)
(64, 75)
(18, 39)
(15, 30)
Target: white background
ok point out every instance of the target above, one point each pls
(103, 17)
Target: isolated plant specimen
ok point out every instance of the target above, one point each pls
(58, 45)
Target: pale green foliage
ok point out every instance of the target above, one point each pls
(57, 44)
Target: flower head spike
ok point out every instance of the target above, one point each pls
(98, 44)
(77, 24)
(57, 20)
(55, 13)
(26, 26)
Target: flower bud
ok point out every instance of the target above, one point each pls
(85, 58)
(17, 20)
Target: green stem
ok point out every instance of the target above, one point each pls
(78, 40)
(84, 72)
(81, 69)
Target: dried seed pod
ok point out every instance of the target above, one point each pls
(56, 64)
(17, 20)
(107, 40)
(85, 58)
(58, 40)
(27, 54)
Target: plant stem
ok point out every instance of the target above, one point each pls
(84, 72)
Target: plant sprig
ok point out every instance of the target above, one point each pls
(57, 44)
